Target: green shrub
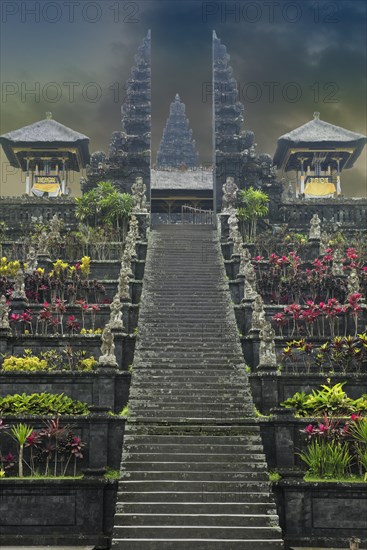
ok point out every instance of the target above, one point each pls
(327, 459)
(330, 400)
(51, 360)
(41, 404)
(29, 363)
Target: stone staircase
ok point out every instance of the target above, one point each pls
(193, 470)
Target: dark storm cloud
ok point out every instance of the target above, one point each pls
(324, 53)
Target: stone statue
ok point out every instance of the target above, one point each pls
(134, 227)
(250, 282)
(126, 260)
(123, 284)
(267, 356)
(138, 190)
(116, 314)
(354, 543)
(55, 228)
(353, 282)
(245, 260)
(4, 314)
(229, 197)
(315, 227)
(258, 314)
(337, 267)
(19, 292)
(237, 244)
(108, 356)
(83, 184)
(43, 243)
(31, 260)
(233, 226)
(324, 243)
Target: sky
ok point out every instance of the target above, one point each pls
(290, 58)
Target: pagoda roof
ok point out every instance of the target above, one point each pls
(45, 135)
(321, 135)
(183, 180)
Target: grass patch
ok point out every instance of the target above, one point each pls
(112, 474)
(349, 479)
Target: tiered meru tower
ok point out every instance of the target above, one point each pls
(177, 148)
(130, 149)
(235, 153)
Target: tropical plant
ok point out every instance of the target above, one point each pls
(327, 459)
(254, 205)
(49, 361)
(20, 433)
(104, 204)
(330, 400)
(41, 404)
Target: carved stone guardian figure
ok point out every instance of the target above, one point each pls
(353, 282)
(116, 322)
(233, 226)
(19, 286)
(229, 197)
(108, 356)
(43, 243)
(267, 355)
(31, 260)
(258, 314)
(4, 314)
(315, 227)
(123, 284)
(337, 267)
(245, 260)
(249, 292)
(138, 190)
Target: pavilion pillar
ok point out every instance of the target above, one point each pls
(63, 187)
(338, 186)
(27, 182)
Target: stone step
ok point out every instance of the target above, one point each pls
(241, 428)
(228, 401)
(252, 434)
(193, 477)
(196, 531)
(215, 455)
(147, 485)
(184, 387)
(192, 519)
(201, 495)
(251, 508)
(170, 465)
(219, 396)
(184, 414)
(184, 543)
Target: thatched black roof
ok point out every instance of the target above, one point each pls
(46, 135)
(321, 135)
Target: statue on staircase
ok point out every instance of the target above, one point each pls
(108, 357)
(267, 355)
(258, 314)
(139, 190)
(229, 199)
(4, 314)
(116, 322)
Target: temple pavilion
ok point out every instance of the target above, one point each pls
(46, 151)
(318, 152)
